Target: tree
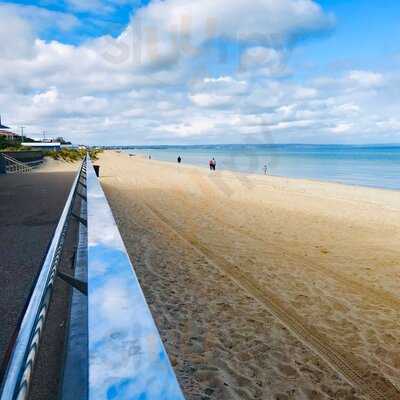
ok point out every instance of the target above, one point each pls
(61, 140)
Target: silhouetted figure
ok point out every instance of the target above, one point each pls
(179, 159)
(212, 163)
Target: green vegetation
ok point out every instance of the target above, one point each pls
(71, 155)
(6, 145)
(15, 145)
(66, 154)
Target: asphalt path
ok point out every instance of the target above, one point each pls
(30, 206)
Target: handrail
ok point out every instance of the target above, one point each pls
(16, 165)
(14, 160)
(32, 163)
(19, 370)
(126, 354)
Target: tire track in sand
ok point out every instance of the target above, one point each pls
(372, 386)
(367, 291)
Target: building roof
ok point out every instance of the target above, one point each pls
(3, 126)
(6, 133)
(41, 144)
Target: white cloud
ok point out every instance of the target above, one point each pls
(265, 61)
(260, 21)
(16, 35)
(210, 100)
(366, 78)
(341, 128)
(46, 98)
(149, 84)
(39, 19)
(191, 127)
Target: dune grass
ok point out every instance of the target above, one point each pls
(71, 155)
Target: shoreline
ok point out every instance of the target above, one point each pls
(300, 184)
(260, 285)
(260, 174)
(371, 167)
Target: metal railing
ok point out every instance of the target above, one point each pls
(18, 374)
(34, 163)
(13, 166)
(125, 355)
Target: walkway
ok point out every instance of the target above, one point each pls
(30, 206)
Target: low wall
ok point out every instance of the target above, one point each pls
(26, 156)
(2, 165)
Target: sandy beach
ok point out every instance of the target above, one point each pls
(264, 287)
(50, 165)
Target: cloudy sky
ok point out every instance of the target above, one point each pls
(202, 71)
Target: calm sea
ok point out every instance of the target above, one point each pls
(373, 166)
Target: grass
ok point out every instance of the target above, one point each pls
(71, 155)
(65, 154)
(5, 145)
(15, 145)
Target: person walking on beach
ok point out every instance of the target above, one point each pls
(179, 159)
(212, 163)
(265, 169)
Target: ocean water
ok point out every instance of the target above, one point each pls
(372, 166)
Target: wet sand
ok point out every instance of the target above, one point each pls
(264, 287)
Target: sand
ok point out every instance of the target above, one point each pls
(50, 165)
(264, 287)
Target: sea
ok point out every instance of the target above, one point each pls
(375, 166)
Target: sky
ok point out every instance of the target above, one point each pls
(203, 71)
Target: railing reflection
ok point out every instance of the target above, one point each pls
(127, 359)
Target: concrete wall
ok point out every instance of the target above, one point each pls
(26, 156)
(2, 165)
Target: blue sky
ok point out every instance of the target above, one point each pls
(357, 23)
(365, 35)
(93, 22)
(296, 70)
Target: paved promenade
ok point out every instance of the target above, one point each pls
(30, 206)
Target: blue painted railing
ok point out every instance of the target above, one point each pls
(127, 359)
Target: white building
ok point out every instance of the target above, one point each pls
(43, 145)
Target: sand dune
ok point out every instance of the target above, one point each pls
(262, 287)
(50, 165)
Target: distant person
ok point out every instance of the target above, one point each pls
(212, 163)
(265, 169)
(179, 159)
(149, 157)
